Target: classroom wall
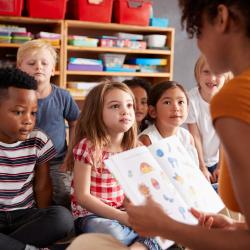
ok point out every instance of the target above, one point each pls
(185, 51)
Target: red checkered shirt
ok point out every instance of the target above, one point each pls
(103, 185)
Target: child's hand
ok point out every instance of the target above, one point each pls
(216, 175)
(210, 220)
(207, 174)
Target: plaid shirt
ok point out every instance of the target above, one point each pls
(103, 185)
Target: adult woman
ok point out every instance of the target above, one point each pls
(222, 28)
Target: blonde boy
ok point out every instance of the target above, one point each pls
(55, 105)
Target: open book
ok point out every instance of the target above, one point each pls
(166, 171)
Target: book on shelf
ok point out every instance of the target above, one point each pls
(166, 172)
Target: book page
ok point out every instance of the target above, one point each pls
(139, 174)
(185, 176)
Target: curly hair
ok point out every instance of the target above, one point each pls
(16, 78)
(193, 10)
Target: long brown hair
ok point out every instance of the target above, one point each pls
(90, 124)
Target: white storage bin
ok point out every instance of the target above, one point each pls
(155, 41)
(112, 60)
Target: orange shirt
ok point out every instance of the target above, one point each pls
(232, 101)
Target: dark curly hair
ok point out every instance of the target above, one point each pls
(193, 10)
(16, 78)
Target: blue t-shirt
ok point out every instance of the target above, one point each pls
(52, 111)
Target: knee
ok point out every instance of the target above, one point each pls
(105, 226)
(62, 219)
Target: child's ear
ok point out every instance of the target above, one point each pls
(53, 71)
(152, 111)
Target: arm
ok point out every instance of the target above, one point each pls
(145, 140)
(217, 170)
(72, 125)
(42, 186)
(197, 237)
(194, 130)
(235, 138)
(82, 180)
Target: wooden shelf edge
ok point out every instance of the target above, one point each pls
(20, 19)
(119, 50)
(17, 45)
(105, 73)
(115, 26)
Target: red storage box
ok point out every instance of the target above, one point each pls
(11, 7)
(54, 9)
(135, 12)
(91, 10)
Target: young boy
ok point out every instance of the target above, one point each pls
(25, 189)
(38, 59)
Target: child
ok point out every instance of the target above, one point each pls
(106, 126)
(25, 216)
(168, 109)
(222, 29)
(141, 89)
(199, 120)
(38, 58)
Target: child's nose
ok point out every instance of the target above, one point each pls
(28, 119)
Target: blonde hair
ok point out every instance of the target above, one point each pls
(199, 65)
(34, 45)
(90, 124)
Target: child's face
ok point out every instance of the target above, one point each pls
(171, 109)
(141, 101)
(19, 112)
(39, 64)
(118, 111)
(210, 83)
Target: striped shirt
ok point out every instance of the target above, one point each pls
(103, 185)
(17, 164)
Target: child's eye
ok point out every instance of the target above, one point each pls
(144, 102)
(181, 102)
(167, 102)
(130, 105)
(34, 113)
(206, 72)
(115, 106)
(18, 112)
(31, 63)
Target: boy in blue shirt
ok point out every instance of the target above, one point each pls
(38, 59)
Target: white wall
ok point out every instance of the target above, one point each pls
(186, 51)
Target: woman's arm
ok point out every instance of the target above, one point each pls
(82, 182)
(42, 186)
(197, 237)
(195, 132)
(235, 138)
